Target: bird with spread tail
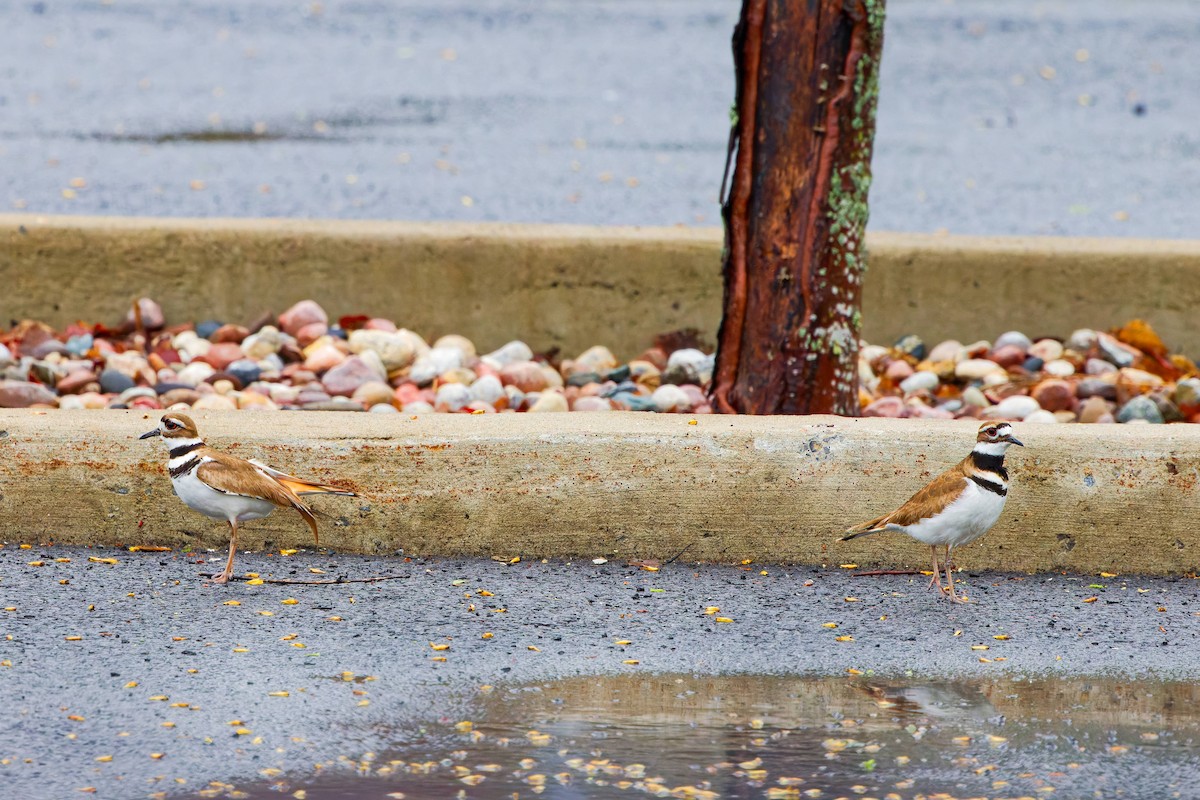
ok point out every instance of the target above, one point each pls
(956, 507)
(229, 488)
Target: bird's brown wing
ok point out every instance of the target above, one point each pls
(299, 485)
(234, 476)
(929, 500)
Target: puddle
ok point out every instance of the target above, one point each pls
(771, 737)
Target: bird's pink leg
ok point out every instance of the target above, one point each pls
(937, 570)
(228, 573)
(950, 580)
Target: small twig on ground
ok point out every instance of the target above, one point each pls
(677, 555)
(338, 579)
(886, 572)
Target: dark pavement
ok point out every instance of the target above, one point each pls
(156, 645)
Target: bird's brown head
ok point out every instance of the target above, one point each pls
(997, 436)
(174, 426)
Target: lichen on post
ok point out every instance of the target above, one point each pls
(796, 210)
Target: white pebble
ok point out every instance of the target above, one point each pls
(195, 373)
(488, 389)
(976, 368)
(452, 397)
(670, 398)
(1041, 417)
(1059, 368)
(510, 353)
(700, 363)
(1018, 406)
(921, 380)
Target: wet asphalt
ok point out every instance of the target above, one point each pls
(141, 661)
(1015, 117)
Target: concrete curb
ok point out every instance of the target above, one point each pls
(619, 485)
(571, 286)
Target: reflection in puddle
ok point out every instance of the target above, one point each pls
(755, 737)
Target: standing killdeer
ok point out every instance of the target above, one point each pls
(958, 506)
(227, 487)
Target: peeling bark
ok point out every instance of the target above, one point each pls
(796, 211)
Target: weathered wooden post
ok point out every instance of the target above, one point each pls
(796, 209)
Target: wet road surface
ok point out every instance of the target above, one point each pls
(1020, 117)
(135, 677)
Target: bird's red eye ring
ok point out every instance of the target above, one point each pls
(991, 431)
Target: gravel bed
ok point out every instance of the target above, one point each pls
(303, 360)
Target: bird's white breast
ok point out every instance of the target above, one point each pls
(199, 496)
(967, 518)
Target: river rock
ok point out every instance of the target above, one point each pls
(1046, 349)
(512, 353)
(452, 397)
(949, 350)
(1041, 417)
(460, 343)
(346, 377)
(221, 355)
(380, 324)
(598, 359)
(1059, 368)
(303, 313)
(898, 371)
(488, 389)
(395, 349)
(669, 397)
(910, 345)
(1017, 406)
(151, 314)
(592, 404)
(114, 382)
(215, 402)
(1187, 395)
(417, 407)
(885, 407)
(372, 393)
(1054, 395)
(920, 381)
(1116, 351)
(311, 332)
(1093, 408)
(1008, 356)
(974, 396)
(1132, 382)
(1013, 339)
(1082, 340)
(975, 369)
(324, 357)
(1140, 408)
(174, 396)
(692, 360)
(77, 381)
(245, 370)
(228, 333)
(434, 363)
(525, 375)
(266, 341)
(1098, 366)
(549, 401)
(23, 394)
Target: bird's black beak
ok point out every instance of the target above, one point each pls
(148, 434)
(1013, 440)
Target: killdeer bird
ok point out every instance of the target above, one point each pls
(958, 506)
(227, 487)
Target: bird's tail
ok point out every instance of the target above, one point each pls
(309, 517)
(877, 525)
(299, 485)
